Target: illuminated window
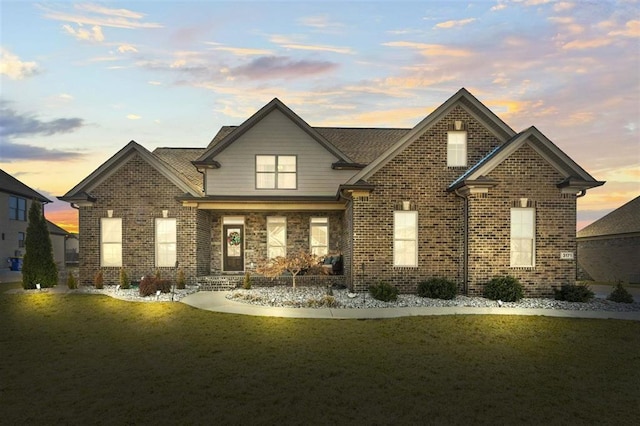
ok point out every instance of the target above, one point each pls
(319, 236)
(276, 236)
(405, 238)
(457, 149)
(17, 208)
(166, 242)
(111, 242)
(276, 171)
(523, 231)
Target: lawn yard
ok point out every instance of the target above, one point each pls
(84, 359)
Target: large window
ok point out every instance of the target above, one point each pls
(276, 171)
(405, 238)
(17, 208)
(276, 236)
(457, 149)
(111, 242)
(166, 242)
(319, 236)
(523, 231)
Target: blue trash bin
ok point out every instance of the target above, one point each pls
(16, 264)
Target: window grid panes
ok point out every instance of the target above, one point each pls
(166, 242)
(17, 208)
(405, 238)
(523, 237)
(111, 242)
(456, 149)
(276, 171)
(276, 237)
(319, 236)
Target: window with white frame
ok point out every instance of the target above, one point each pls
(276, 236)
(405, 238)
(17, 208)
(110, 242)
(276, 172)
(166, 242)
(319, 236)
(457, 149)
(523, 231)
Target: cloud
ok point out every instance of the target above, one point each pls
(281, 67)
(134, 117)
(431, 49)
(13, 124)
(101, 16)
(587, 44)
(452, 24)
(95, 34)
(632, 29)
(291, 44)
(239, 51)
(320, 22)
(14, 68)
(124, 48)
(10, 151)
(122, 13)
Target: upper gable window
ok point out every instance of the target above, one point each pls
(457, 149)
(276, 171)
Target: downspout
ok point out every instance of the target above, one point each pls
(349, 200)
(465, 244)
(581, 194)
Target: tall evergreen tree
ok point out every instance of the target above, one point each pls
(38, 266)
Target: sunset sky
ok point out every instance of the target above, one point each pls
(80, 80)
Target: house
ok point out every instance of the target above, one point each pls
(59, 238)
(461, 195)
(15, 199)
(609, 248)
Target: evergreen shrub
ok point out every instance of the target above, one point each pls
(505, 288)
(438, 288)
(384, 291)
(574, 293)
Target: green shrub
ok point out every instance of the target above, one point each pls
(72, 283)
(181, 282)
(124, 279)
(506, 288)
(98, 280)
(383, 291)
(246, 283)
(573, 293)
(620, 295)
(438, 288)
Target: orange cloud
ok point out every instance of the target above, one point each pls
(431, 49)
(66, 219)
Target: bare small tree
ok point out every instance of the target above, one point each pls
(293, 264)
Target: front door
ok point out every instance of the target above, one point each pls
(233, 251)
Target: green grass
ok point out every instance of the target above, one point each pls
(86, 359)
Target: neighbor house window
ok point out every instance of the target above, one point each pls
(276, 171)
(523, 231)
(457, 149)
(17, 208)
(405, 238)
(166, 242)
(319, 236)
(21, 236)
(111, 242)
(276, 236)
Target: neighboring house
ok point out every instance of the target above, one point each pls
(460, 195)
(15, 199)
(59, 243)
(609, 248)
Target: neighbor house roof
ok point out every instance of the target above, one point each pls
(623, 220)
(55, 229)
(11, 185)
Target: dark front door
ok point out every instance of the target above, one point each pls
(233, 251)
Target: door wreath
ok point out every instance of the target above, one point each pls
(233, 239)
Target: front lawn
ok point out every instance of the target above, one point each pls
(85, 359)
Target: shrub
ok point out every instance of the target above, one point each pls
(438, 288)
(72, 283)
(383, 291)
(98, 280)
(163, 285)
(181, 282)
(124, 279)
(246, 283)
(620, 295)
(574, 293)
(147, 286)
(158, 274)
(506, 288)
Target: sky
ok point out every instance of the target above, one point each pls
(79, 80)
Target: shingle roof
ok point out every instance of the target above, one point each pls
(12, 185)
(180, 159)
(55, 229)
(623, 220)
(362, 145)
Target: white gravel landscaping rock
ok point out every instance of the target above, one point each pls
(133, 294)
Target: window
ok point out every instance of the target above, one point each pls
(276, 171)
(405, 238)
(457, 149)
(523, 231)
(111, 242)
(21, 239)
(276, 236)
(17, 208)
(166, 242)
(319, 236)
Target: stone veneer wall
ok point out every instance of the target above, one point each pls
(420, 175)
(255, 231)
(138, 193)
(523, 175)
